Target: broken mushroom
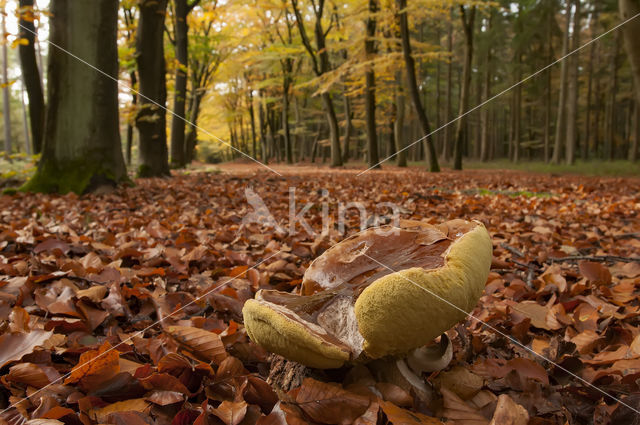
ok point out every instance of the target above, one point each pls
(384, 291)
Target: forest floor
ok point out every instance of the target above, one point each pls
(80, 275)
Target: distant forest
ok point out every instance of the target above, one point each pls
(330, 80)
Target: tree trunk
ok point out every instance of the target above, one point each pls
(6, 111)
(486, 94)
(31, 73)
(461, 129)
(253, 125)
(572, 101)
(562, 102)
(633, 149)
(631, 33)
(181, 30)
(548, 88)
(370, 88)
(446, 143)
(432, 157)
(151, 118)
(348, 128)
(285, 120)
(191, 139)
(587, 124)
(398, 129)
(25, 122)
(611, 104)
(134, 102)
(81, 149)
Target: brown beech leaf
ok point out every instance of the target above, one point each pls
(201, 343)
(595, 273)
(32, 374)
(231, 413)
(398, 415)
(133, 405)
(95, 366)
(16, 345)
(164, 398)
(508, 412)
(455, 409)
(329, 403)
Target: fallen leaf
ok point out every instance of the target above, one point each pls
(16, 345)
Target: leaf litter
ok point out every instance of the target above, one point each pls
(81, 277)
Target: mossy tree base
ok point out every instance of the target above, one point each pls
(76, 177)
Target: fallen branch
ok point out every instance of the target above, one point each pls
(601, 258)
(512, 250)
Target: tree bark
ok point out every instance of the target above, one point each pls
(587, 124)
(81, 150)
(631, 34)
(348, 130)
(572, 102)
(633, 149)
(181, 30)
(6, 111)
(611, 104)
(432, 157)
(151, 118)
(486, 94)
(31, 74)
(370, 88)
(461, 129)
(398, 128)
(446, 143)
(562, 102)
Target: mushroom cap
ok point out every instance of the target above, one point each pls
(383, 291)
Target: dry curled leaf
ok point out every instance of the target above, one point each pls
(204, 344)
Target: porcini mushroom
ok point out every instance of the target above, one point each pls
(384, 291)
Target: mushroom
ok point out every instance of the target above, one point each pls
(384, 291)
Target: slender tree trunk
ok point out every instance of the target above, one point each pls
(370, 88)
(285, 120)
(134, 103)
(587, 124)
(432, 157)
(613, 91)
(181, 31)
(631, 33)
(31, 73)
(462, 127)
(398, 129)
(438, 97)
(151, 118)
(264, 155)
(562, 102)
(572, 101)
(486, 94)
(82, 149)
(6, 111)
(548, 88)
(517, 111)
(25, 122)
(192, 133)
(253, 125)
(633, 149)
(446, 144)
(348, 128)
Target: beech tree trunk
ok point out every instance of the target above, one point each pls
(486, 93)
(562, 101)
(572, 101)
(432, 157)
(631, 34)
(461, 129)
(6, 110)
(31, 74)
(151, 119)
(370, 88)
(348, 128)
(446, 143)
(181, 30)
(398, 127)
(81, 149)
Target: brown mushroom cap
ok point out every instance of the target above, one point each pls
(383, 291)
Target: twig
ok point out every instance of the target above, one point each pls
(601, 258)
(512, 250)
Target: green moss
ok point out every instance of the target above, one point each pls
(78, 177)
(10, 191)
